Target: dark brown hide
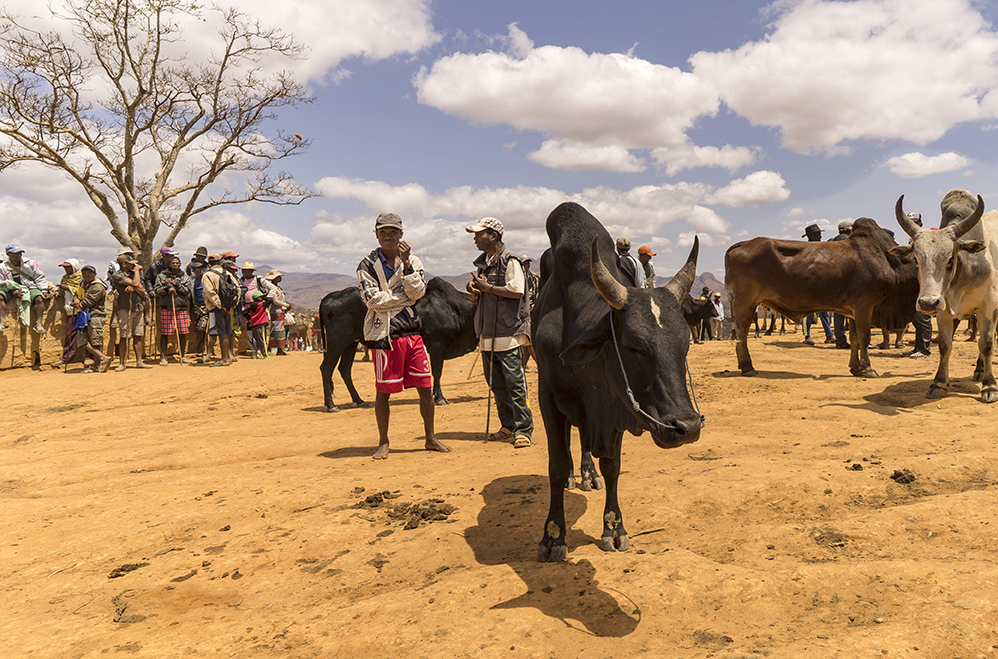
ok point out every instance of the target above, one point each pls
(856, 277)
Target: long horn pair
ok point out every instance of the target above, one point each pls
(615, 293)
(959, 229)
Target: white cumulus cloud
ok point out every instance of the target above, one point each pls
(597, 107)
(576, 156)
(917, 165)
(688, 156)
(830, 73)
(645, 214)
(330, 32)
(757, 188)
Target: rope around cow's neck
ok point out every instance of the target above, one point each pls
(630, 394)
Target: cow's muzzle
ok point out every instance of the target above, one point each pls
(930, 305)
(682, 431)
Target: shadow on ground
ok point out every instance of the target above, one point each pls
(567, 591)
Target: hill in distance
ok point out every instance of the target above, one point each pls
(305, 289)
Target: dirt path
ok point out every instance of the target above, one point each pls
(220, 512)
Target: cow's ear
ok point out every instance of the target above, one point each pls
(972, 246)
(900, 250)
(586, 347)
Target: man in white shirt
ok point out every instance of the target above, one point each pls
(502, 322)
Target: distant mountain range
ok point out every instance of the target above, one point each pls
(305, 289)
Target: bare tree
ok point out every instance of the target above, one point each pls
(152, 138)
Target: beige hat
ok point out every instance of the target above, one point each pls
(486, 223)
(623, 243)
(273, 274)
(248, 265)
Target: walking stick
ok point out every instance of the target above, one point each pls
(471, 370)
(176, 326)
(492, 358)
(128, 331)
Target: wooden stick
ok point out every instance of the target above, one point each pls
(176, 326)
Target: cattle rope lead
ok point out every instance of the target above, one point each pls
(630, 394)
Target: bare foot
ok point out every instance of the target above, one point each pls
(381, 453)
(435, 445)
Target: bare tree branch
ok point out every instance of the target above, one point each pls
(203, 123)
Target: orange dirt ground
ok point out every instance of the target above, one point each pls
(188, 511)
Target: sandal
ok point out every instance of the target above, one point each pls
(500, 436)
(521, 441)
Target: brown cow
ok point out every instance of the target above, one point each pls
(856, 277)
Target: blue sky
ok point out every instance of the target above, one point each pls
(728, 119)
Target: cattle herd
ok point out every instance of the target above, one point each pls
(612, 357)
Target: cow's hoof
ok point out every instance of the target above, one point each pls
(570, 485)
(363, 403)
(935, 391)
(614, 543)
(867, 373)
(441, 401)
(749, 373)
(989, 395)
(552, 554)
(332, 408)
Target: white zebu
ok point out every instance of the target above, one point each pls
(957, 277)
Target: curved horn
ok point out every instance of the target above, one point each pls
(612, 290)
(680, 284)
(965, 225)
(906, 223)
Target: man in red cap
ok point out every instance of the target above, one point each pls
(644, 256)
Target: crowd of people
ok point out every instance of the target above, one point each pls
(198, 305)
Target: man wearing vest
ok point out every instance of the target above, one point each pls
(391, 282)
(502, 322)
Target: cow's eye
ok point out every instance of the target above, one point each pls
(637, 349)
(949, 264)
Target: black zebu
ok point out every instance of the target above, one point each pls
(448, 332)
(696, 312)
(589, 329)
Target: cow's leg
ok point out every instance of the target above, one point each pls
(588, 478)
(859, 355)
(940, 384)
(741, 316)
(772, 323)
(986, 342)
(346, 372)
(436, 354)
(614, 535)
(552, 547)
(694, 332)
(326, 368)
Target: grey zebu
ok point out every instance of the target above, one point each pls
(957, 278)
(598, 343)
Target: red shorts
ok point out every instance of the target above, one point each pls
(406, 365)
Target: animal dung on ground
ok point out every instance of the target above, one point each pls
(125, 569)
(904, 477)
(827, 536)
(413, 514)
